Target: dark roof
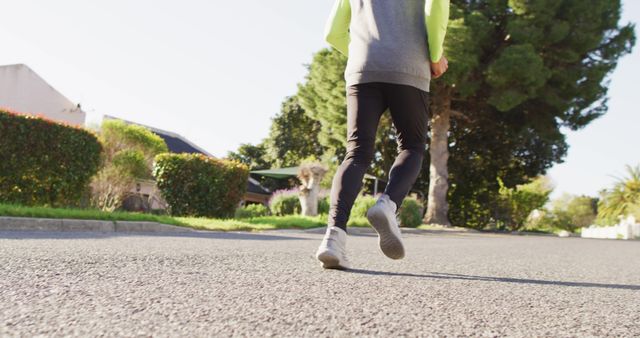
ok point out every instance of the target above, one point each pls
(178, 144)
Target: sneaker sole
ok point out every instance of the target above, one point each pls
(330, 261)
(390, 244)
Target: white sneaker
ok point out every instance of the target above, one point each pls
(382, 217)
(332, 250)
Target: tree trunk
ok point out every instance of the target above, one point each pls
(309, 199)
(310, 176)
(437, 205)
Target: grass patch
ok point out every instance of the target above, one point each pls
(248, 224)
(45, 212)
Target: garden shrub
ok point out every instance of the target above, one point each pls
(410, 213)
(323, 205)
(362, 204)
(251, 210)
(197, 185)
(285, 202)
(44, 162)
(129, 151)
(516, 204)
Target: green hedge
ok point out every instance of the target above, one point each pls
(44, 162)
(197, 185)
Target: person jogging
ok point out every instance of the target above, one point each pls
(394, 48)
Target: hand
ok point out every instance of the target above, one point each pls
(439, 68)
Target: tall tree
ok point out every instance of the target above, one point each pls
(254, 156)
(293, 136)
(544, 61)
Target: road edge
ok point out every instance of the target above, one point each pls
(64, 224)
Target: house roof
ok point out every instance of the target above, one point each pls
(178, 144)
(175, 142)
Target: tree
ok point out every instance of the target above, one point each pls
(623, 199)
(544, 62)
(520, 70)
(516, 204)
(322, 97)
(254, 156)
(293, 136)
(129, 152)
(571, 212)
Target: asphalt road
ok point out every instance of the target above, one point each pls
(247, 284)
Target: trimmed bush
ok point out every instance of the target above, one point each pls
(197, 185)
(410, 212)
(44, 162)
(285, 202)
(251, 210)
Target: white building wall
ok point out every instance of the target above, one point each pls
(23, 91)
(626, 229)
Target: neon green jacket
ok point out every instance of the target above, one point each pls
(436, 19)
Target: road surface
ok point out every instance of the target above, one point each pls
(268, 284)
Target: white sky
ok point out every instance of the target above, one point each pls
(216, 71)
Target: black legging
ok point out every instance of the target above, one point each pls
(365, 104)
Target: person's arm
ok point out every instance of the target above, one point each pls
(336, 31)
(436, 20)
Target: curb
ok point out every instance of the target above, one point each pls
(64, 224)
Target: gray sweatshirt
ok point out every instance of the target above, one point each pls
(388, 43)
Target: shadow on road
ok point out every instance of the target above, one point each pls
(26, 235)
(439, 275)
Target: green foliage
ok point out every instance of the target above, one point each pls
(251, 210)
(117, 134)
(520, 71)
(125, 144)
(129, 151)
(410, 212)
(516, 204)
(512, 83)
(362, 204)
(293, 136)
(285, 202)
(44, 162)
(323, 98)
(622, 200)
(197, 185)
(567, 213)
(324, 205)
(251, 155)
(131, 163)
